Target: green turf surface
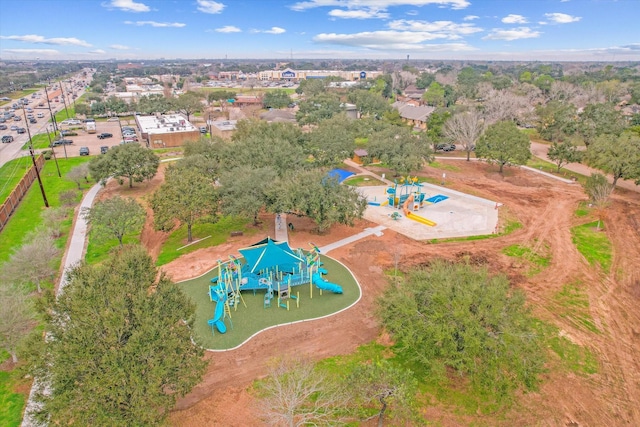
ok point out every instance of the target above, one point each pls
(254, 318)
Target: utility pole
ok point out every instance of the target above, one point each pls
(53, 121)
(209, 123)
(35, 165)
(63, 100)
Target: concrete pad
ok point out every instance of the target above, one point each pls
(460, 215)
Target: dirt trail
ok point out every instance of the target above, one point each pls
(545, 208)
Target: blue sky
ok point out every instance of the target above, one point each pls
(597, 30)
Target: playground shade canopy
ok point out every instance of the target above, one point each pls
(263, 256)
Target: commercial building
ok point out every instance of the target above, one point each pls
(171, 130)
(297, 75)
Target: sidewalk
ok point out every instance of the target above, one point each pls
(74, 255)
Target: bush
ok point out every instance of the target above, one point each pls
(69, 197)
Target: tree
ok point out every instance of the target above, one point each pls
(504, 144)
(385, 384)
(188, 103)
(131, 161)
(311, 87)
(52, 220)
(317, 108)
(115, 217)
(465, 128)
(563, 154)
(599, 190)
(424, 80)
(78, 174)
(435, 126)
(33, 262)
(184, 196)
(457, 317)
(119, 348)
(332, 141)
(599, 119)
(244, 190)
(402, 151)
(556, 121)
(220, 95)
(16, 318)
(369, 103)
(544, 83)
(319, 197)
(619, 156)
(434, 95)
(277, 98)
(295, 394)
(468, 80)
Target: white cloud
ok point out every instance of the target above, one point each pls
(512, 34)
(119, 47)
(561, 18)
(380, 39)
(514, 19)
(358, 14)
(275, 30)
(33, 51)
(97, 52)
(156, 24)
(388, 40)
(470, 17)
(442, 29)
(413, 13)
(33, 38)
(127, 6)
(209, 6)
(228, 29)
(377, 4)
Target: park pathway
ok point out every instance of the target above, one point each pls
(74, 255)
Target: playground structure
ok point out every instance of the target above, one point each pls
(408, 195)
(272, 267)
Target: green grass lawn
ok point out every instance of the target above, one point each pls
(11, 173)
(11, 403)
(551, 168)
(535, 260)
(254, 318)
(40, 141)
(27, 217)
(219, 233)
(363, 181)
(572, 303)
(593, 244)
(444, 166)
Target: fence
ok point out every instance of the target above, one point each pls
(11, 204)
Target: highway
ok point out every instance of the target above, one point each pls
(13, 150)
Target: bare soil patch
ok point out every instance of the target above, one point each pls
(545, 208)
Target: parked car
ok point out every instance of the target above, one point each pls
(68, 133)
(62, 142)
(6, 139)
(33, 120)
(104, 149)
(14, 127)
(104, 135)
(17, 118)
(84, 151)
(3, 127)
(445, 147)
(40, 115)
(21, 130)
(203, 129)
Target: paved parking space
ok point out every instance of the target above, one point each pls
(84, 139)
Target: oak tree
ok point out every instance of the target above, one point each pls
(127, 161)
(115, 217)
(504, 144)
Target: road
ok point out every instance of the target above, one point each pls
(14, 150)
(541, 150)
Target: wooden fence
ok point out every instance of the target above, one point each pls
(11, 204)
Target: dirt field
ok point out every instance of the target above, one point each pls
(545, 208)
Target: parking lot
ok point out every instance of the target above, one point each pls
(91, 140)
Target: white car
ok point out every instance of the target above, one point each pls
(40, 115)
(71, 122)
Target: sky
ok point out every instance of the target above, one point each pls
(521, 30)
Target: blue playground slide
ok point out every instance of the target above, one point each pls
(324, 285)
(218, 313)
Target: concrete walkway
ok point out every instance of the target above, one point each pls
(377, 231)
(74, 255)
